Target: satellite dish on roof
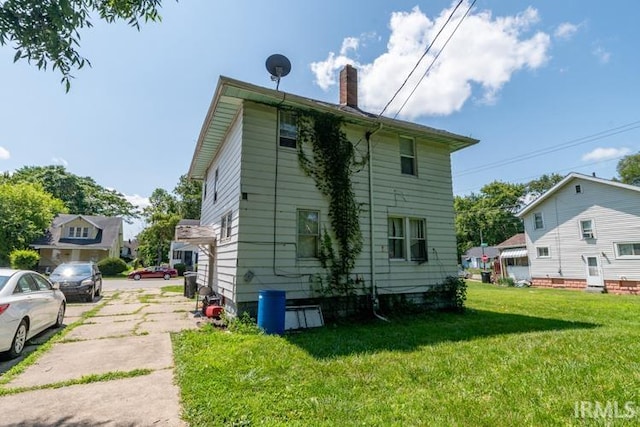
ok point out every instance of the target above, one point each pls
(278, 66)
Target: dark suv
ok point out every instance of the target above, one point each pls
(78, 279)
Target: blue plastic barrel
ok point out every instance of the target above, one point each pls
(271, 311)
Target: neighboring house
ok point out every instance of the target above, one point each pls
(79, 238)
(473, 257)
(266, 217)
(584, 233)
(513, 258)
(129, 249)
(184, 253)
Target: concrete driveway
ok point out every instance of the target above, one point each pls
(114, 368)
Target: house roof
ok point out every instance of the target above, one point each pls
(566, 180)
(189, 222)
(109, 229)
(515, 241)
(230, 94)
(477, 251)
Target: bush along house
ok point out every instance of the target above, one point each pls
(333, 205)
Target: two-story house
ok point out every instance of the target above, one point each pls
(584, 233)
(268, 218)
(79, 238)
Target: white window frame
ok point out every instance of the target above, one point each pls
(537, 215)
(633, 255)
(300, 235)
(583, 233)
(78, 233)
(287, 129)
(412, 156)
(407, 238)
(226, 226)
(543, 248)
(71, 233)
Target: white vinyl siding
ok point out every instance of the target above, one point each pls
(615, 216)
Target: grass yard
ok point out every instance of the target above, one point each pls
(517, 357)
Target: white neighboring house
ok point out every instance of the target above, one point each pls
(184, 253)
(514, 260)
(266, 216)
(584, 233)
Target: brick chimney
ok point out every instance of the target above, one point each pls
(349, 86)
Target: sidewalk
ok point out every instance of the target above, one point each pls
(129, 333)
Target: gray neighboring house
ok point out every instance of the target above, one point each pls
(584, 233)
(514, 259)
(79, 238)
(184, 253)
(473, 257)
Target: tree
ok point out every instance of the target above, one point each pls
(492, 213)
(26, 211)
(629, 169)
(48, 31)
(537, 187)
(156, 238)
(189, 194)
(81, 195)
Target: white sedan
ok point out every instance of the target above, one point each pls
(29, 304)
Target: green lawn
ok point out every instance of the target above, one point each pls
(517, 357)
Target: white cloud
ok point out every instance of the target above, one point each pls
(603, 55)
(60, 161)
(137, 200)
(605, 154)
(4, 153)
(485, 51)
(566, 30)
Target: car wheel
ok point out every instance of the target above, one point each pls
(136, 277)
(99, 290)
(167, 276)
(92, 295)
(60, 317)
(19, 340)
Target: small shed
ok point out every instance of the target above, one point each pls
(514, 259)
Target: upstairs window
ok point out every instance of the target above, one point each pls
(578, 189)
(586, 229)
(407, 156)
(308, 233)
(538, 221)
(226, 226)
(215, 186)
(288, 129)
(78, 232)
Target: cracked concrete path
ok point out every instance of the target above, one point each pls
(129, 333)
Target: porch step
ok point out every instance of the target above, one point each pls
(595, 289)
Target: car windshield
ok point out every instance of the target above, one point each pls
(72, 270)
(3, 280)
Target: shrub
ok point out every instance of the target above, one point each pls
(112, 266)
(456, 290)
(180, 267)
(506, 281)
(24, 259)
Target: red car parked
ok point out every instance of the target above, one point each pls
(153, 272)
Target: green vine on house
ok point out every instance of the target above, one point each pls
(332, 164)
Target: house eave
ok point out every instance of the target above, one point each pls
(230, 95)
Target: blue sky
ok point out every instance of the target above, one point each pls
(522, 77)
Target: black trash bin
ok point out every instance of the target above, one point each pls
(190, 284)
(486, 276)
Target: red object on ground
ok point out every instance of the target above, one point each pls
(213, 311)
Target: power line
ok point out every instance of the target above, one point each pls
(571, 143)
(421, 58)
(435, 58)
